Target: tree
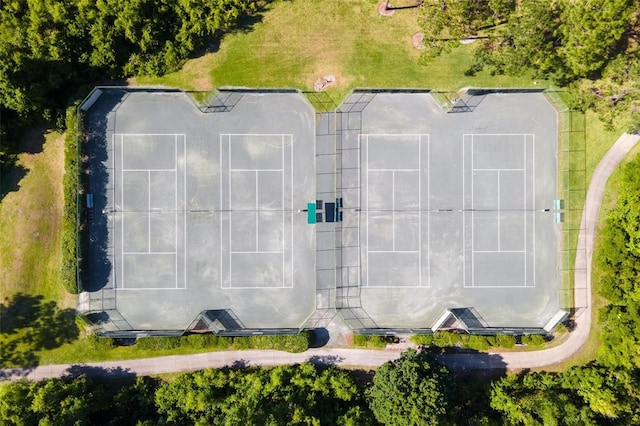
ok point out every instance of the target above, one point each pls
(619, 261)
(591, 32)
(539, 398)
(411, 390)
(445, 23)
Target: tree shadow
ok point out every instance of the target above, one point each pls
(11, 173)
(319, 337)
(29, 324)
(325, 360)
(94, 372)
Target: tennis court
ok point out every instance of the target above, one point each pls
(203, 208)
(257, 213)
(451, 210)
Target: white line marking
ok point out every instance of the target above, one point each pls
(394, 251)
(473, 236)
(175, 199)
(533, 178)
(393, 210)
(525, 208)
(257, 213)
(122, 201)
(230, 215)
(149, 134)
(152, 289)
(150, 252)
(499, 170)
(499, 216)
(149, 211)
(464, 201)
(220, 173)
(149, 170)
(393, 170)
(420, 210)
(257, 251)
(368, 196)
(360, 214)
(500, 251)
(256, 170)
(291, 198)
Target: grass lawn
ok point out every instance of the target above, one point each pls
(31, 218)
(297, 42)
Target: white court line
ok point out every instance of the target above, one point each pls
(499, 217)
(149, 170)
(150, 252)
(184, 205)
(257, 251)
(149, 210)
(122, 203)
(283, 224)
(367, 176)
(256, 170)
(257, 195)
(395, 251)
(473, 219)
(175, 200)
(393, 210)
(525, 208)
(464, 234)
(393, 170)
(221, 207)
(500, 251)
(499, 170)
(152, 289)
(291, 199)
(150, 134)
(359, 215)
(533, 179)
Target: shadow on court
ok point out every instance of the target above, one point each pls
(96, 264)
(29, 324)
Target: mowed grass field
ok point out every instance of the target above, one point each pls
(30, 220)
(297, 42)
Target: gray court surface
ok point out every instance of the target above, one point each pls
(449, 210)
(201, 209)
(205, 210)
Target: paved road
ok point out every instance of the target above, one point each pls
(373, 358)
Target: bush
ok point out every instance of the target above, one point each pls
(372, 341)
(533, 339)
(68, 270)
(289, 343)
(158, 343)
(294, 343)
(480, 343)
(422, 339)
(505, 341)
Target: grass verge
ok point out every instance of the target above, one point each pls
(31, 222)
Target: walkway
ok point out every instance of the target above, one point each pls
(373, 358)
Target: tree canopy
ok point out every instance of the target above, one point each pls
(412, 390)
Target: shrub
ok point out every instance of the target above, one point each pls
(372, 341)
(505, 341)
(479, 343)
(158, 343)
(422, 339)
(68, 270)
(294, 343)
(533, 339)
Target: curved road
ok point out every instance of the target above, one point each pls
(373, 358)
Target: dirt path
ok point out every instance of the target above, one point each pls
(373, 358)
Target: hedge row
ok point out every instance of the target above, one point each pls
(468, 341)
(290, 343)
(373, 341)
(68, 269)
